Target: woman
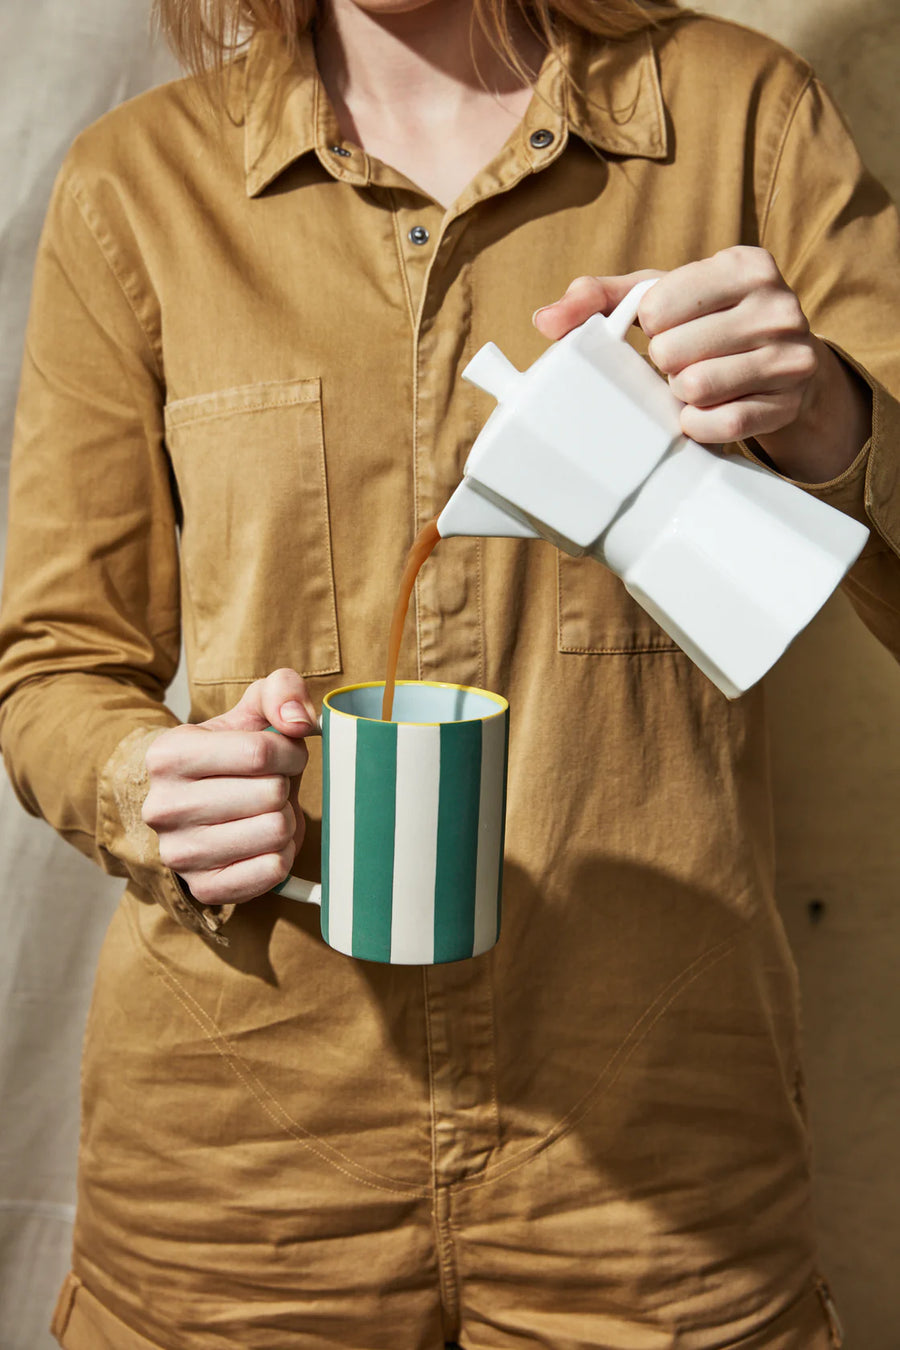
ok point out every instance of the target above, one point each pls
(252, 306)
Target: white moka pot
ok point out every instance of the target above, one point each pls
(585, 449)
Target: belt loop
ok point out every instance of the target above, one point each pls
(63, 1309)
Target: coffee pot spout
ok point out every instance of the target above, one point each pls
(471, 511)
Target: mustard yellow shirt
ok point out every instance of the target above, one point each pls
(241, 397)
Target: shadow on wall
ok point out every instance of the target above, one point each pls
(835, 718)
(855, 52)
(834, 703)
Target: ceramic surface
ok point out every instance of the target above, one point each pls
(585, 449)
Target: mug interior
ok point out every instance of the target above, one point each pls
(419, 702)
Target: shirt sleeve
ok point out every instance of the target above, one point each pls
(90, 625)
(835, 234)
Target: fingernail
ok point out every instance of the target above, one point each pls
(295, 712)
(540, 311)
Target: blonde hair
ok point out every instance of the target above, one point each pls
(204, 34)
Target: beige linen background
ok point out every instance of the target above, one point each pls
(835, 704)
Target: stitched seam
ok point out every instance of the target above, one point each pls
(404, 279)
(76, 192)
(449, 1276)
(440, 1193)
(247, 679)
(620, 651)
(564, 647)
(323, 474)
(276, 1111)
(617, 1062)
(174, 423)
(291, 387)
(270, 1106)
(779, 153)
(495, 1101)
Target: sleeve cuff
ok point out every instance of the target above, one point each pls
(131, 847)
(869, 488)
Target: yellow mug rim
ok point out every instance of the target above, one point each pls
(503, 705)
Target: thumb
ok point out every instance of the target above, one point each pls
(586, 296)
(281, 700)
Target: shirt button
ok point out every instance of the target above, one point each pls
(541, 139)
(340, 150)
(418, 235)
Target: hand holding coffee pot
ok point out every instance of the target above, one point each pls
(586, 449)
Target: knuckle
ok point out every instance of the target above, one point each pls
(787, 316)
(755, 266)
(735, 423)
(803, 362)
(150, 810)
(258, 753)
(650, 316)
(156, 811)
(205, 887)
(159, 758)
(660, 351)
(174, 853)
(692, 386)
(273, 868)
(275, 793)
(582, 283)
(276, 830)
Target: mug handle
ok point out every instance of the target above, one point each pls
(295, 888)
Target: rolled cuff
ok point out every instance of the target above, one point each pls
(128, 843)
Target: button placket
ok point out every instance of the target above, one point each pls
(449, 625)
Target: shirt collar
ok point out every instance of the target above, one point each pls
(287, 114)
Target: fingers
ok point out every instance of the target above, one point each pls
(192, 752)
(281, 700)
(740, 419)
(710, 286)
(767, 370)
(223, 795)
(240, 881)
(727, 331)
(214, 801)
(586, 296)
(210, 847)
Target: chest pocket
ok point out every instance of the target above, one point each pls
(256, 541)
(597, 616)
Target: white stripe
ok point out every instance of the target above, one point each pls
(415, 844)
(342, 770)
(490, 827)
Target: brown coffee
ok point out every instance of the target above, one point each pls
(423, 546)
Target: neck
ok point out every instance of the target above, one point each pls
(424, 64)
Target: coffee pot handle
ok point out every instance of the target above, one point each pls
(625, 313)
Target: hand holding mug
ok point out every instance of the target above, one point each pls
(223, 793)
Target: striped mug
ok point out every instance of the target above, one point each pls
(413, 814)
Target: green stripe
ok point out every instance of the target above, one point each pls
(503, 821)
(457, 841)
(373, 839)
(326, 816)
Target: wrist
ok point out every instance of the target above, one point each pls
(832, 427)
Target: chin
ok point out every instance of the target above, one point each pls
(377, 8)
